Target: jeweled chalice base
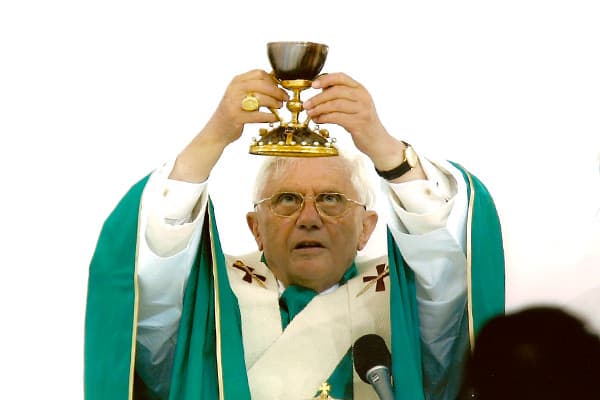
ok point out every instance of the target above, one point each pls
(293, 142)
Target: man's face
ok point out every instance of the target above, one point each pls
(308, 249)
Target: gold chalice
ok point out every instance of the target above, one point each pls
(295, 65)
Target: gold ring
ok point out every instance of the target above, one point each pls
(250, 103)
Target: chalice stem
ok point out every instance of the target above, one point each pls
(295, 106)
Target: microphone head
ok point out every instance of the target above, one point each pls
(370, 351)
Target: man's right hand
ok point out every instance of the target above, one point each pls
(226, 125)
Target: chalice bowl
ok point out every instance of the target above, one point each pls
(295, 66)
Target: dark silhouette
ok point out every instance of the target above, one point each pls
(537, 353)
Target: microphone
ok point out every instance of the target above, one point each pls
(373, 363)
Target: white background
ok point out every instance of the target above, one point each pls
(94, 95)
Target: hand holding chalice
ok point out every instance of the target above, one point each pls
(295, 65)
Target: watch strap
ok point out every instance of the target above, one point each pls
(398, 171)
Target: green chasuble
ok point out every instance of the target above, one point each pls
(209, 357)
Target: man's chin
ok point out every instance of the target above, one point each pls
(314, 273)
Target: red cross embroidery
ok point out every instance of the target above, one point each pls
(249, 273)
(382, 272)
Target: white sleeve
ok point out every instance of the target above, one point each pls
(173, 211)
(170, 225)
(428, 222)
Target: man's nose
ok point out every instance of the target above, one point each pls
(309, 216)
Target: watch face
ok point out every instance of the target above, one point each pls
(411, 156)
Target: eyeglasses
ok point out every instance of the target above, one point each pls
(286, 204)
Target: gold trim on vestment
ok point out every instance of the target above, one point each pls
(136, 296)
(217, 310)
(469, 264)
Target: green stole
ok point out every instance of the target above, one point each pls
(209, 358)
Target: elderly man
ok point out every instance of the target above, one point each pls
(170, 316)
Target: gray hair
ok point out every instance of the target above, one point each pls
(354, 162)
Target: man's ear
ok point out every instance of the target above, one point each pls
(368, 226)
(252, 221)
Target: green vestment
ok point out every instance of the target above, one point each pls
(209, 358)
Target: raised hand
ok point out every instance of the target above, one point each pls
(226, 125)
(229, 118)
(345, 102)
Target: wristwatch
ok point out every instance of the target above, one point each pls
(409, 162)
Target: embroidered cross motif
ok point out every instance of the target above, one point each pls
(324, 391)
(382, 272)
(249, 273)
